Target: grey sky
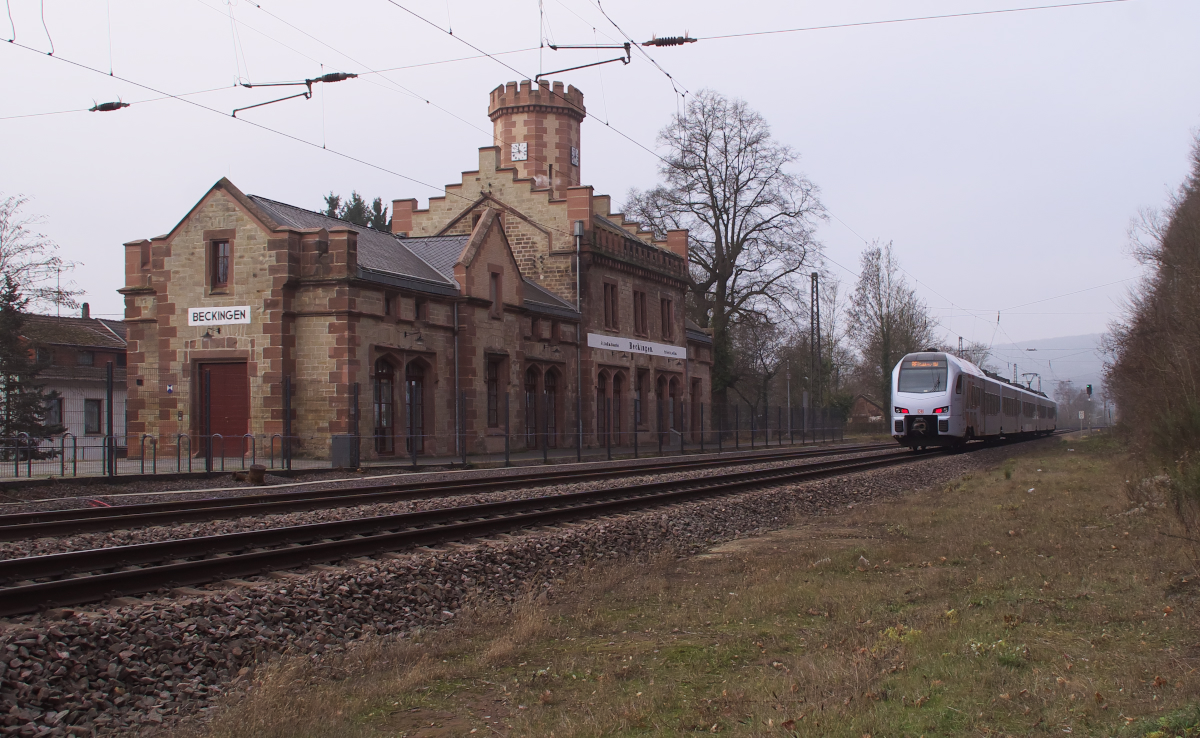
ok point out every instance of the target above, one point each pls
(1004, 154)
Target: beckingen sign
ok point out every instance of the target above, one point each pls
(219, 316)
(618, 343)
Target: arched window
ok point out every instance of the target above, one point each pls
(550, 386)
(531, 407)
(617, 391)
(674, 411)
(385, 407)
(414, 385)
(601, 406)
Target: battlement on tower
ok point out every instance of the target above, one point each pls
(545, 95)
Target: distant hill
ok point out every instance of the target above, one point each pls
(1077, 358)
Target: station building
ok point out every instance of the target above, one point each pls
(517, 300)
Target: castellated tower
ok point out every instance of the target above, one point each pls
(537, 129)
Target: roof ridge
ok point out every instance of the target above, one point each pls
(323, 215)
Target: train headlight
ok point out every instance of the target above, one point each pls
(940, 410)
(901, 410)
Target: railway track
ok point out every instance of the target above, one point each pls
(76, 577)
(41, 524)
(38, 582)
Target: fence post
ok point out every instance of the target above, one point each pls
(356, 418)
(409, 394)
(142, 452)
(779, 424)
(702, 427)
(28, 443)
(462, 431)
(737, 429)
(751, 414)
(208, 450)
(721, 433)
(108, 407)
(210, 440)
(545, 427)
(285, 447)
(658, 426)
(506, 455)
(154, 450)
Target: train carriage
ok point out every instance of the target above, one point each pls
(939, 399)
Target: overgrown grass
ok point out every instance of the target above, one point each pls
(1008, 603)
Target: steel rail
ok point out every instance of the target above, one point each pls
(177, 563)
(42, 524)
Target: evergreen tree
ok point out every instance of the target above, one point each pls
(24, 403)
(379, 216)
(356, 210)
(333, 206)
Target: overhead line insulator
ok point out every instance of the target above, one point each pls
(108, 107)
(670, 41)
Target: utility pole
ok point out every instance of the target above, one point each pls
(815, 342)
(960, 345)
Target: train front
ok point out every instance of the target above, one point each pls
(923, 401)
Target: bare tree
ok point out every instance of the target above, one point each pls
(887, 319)
(29, 258)
(751, 221)
(978, 354)
(1154, 373)
(760, 349)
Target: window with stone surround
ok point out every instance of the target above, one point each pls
(220, 263)
(495, 294)
(639, 313)
(610, 305)
(668, 318)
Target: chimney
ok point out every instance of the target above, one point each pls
(85, 311)
(542, 123)
(677, 242)
(402, 216)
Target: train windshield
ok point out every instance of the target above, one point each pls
(920, 377)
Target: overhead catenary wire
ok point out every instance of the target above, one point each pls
(523, 75)
(396, 86)
(944, 16)
(268, 129)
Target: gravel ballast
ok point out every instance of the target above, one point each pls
(131, 669)
(151, 534)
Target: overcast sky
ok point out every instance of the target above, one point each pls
(1003, 154)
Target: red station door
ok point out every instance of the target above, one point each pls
(228, 413)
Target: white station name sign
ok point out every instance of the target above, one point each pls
(619, 343)
(219, 315)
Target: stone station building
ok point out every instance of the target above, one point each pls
(488, 309)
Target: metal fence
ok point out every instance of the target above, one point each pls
(536, 437)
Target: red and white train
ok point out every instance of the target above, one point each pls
(939, 399)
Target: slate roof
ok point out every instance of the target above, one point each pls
(382, 257)
(542, 300)
(72, 331)
(694, 332)
(440, 252)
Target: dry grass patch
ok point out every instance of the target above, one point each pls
(1021, 601)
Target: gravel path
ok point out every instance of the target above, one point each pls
(108, 539)
(130, 670)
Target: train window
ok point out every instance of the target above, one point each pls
(922, 376)
(958, 385)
